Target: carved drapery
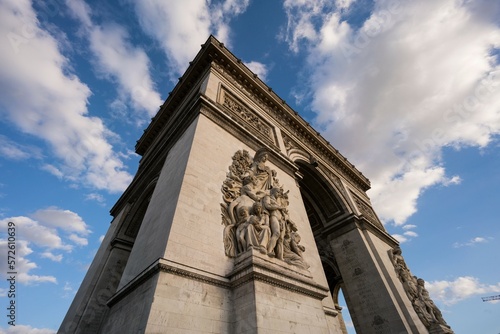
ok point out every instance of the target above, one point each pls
(255, 211)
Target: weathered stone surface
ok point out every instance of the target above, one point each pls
(226, 157)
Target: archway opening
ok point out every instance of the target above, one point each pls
(324, 206)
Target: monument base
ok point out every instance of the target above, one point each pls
(261, 295)
(271, 296)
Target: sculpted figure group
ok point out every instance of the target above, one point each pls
(255, 211)
(427, 311)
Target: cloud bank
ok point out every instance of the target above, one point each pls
(43, 98)
(392, 92)
(117, 58)
(180, 27)
(48, 233)
(452, 292)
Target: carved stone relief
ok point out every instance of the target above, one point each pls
(255, 211)
(249, 118)
(289, 144)
(427, 311)
(367, 211)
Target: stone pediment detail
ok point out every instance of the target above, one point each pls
(247, 117)
(255, 212)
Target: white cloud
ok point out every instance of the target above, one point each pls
(411, 234)
(63, 219)
(95, 197)
(407, 234)
(452, 181)
(25, 329)
(78, 240)
(452, 292)
(258, 68)
(80, 10)
(415, 78)
(52, 170)
(129, 65)
(343, 4)
(471, 242)
(51, 256)
(477, 240)
(32, 231)
(221, 14)
(46, 231)
(409, 227)
(101, 238)
(35, 79)
(23, 265)
(400, 238)
(301, 15)
(15, 151)
(180, 27)
(68, 290)
(117, 58)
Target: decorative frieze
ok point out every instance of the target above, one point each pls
(247, 117)
(289, 144)
(366, 210)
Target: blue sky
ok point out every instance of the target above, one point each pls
(408, 91)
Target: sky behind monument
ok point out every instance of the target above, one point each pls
(409, 91)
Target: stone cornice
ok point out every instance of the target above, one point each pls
(352, 222)
(249, 267)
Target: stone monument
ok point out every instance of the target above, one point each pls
(243, 219)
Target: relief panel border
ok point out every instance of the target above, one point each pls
(246, 116)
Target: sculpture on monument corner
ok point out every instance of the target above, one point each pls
(255, 211)
(427, 311)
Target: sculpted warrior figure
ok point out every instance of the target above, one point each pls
(292, 251)
(428, 303)
(427, 311)
(276, 221)
(397, 258)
